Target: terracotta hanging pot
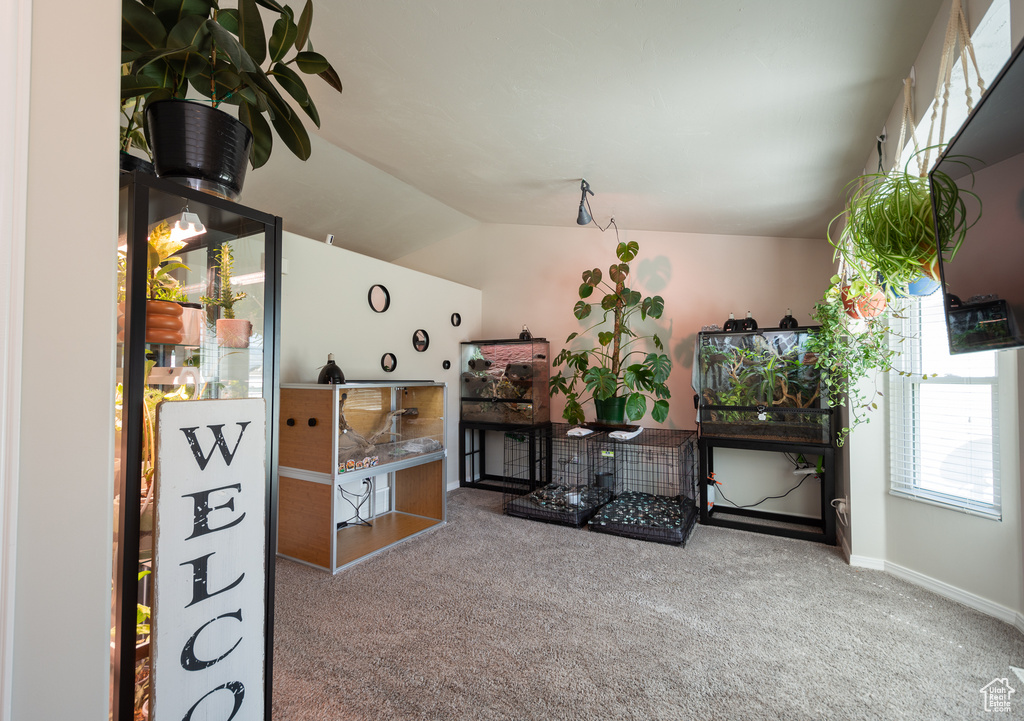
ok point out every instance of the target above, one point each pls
(863, 306)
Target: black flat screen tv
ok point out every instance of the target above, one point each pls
(983, 282)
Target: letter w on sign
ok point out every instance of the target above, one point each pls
(218, 443)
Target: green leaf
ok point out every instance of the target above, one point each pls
(571, 336)
(573, 411)
(581, 310)
(610, 301)
(281, 38)
(601, 381)
(291, 82)
(660, 411)
(262, 137)
(636, 406)
(228, 17)
(657, 342)
(227, 44)
(172, 12)
(272, 5)
(290, 129)
(605, 337)
(305, 21)
(311, 111)
(250, 31)
(141, 30)
(192, 38)
(312, 63)
(653, 307)
(627, 251)
(135, 85)
(592, 277)
(586, 290)
(661, 365)
(227, 81)
(618, 272)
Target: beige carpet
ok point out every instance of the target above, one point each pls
(492, 617)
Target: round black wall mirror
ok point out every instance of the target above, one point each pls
(379, 298)
(420, 340)
(446, 365)
(456, 319)
(388, 362)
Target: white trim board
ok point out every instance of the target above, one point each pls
(17, 43)
(971, 600)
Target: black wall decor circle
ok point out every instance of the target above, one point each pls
(420, 340)
(446, 365)
(388, 362)
(379, 298)
(456, 319)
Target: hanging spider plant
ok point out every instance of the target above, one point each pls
(889, 225)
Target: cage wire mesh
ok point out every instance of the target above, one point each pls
(654, 477)
(567, 491)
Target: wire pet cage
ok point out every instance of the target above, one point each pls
(570, 492)
(654, 477)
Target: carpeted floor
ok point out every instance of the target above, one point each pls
(492, 617)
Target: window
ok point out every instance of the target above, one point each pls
(943, 429)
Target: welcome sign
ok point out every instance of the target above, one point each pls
(210, 561)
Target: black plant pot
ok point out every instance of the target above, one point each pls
(199, 146)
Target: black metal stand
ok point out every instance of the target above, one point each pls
(473, 456)
(825, 525)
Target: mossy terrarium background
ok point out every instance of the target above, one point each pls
(761, 385)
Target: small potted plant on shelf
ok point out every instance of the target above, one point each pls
(619, 376)
(232, 332)
(225, 55)
(888, 228)
(164, 293)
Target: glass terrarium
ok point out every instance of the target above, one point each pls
(505, 382)
(760, 385)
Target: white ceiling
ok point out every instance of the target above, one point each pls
(739, 117)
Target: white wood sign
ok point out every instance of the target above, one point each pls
(210, 561)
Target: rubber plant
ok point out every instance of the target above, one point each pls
(182, 47)
(888, 227)
(616, 364)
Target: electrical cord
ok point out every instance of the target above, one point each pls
(718, 492)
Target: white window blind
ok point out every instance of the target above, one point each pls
(944, 435)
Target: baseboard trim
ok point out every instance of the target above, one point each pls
(953, 593)
(875, 564)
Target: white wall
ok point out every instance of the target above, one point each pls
(978, 561)
(531, 275)
(61, 664)
(324, 309)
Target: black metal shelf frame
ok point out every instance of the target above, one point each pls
(824, 527)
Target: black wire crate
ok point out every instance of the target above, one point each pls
(654, 477)
(570, 493)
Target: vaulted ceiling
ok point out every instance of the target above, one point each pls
(725, 116)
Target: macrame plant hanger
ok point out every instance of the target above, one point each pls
(957, 32)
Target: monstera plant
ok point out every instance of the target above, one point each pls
(178, 48)
(617, 373)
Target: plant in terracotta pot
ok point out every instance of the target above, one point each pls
(179, 48)
(232, 332)
(888, 227)
(847, 349)
(163, 291)
(616, 373)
